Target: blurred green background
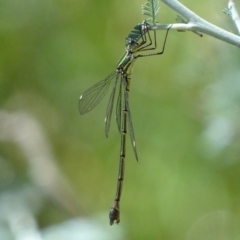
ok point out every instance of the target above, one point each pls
(58, 172)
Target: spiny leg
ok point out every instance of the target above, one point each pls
(157, 53)
(139, 32)
(145, 47)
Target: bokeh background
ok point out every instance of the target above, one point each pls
(58, 172)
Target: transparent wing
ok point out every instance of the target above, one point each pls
(130, 125)
(93, 96)
(119, 108)
(110, 107)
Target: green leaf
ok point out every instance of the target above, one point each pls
(180, 19)
(151, 9)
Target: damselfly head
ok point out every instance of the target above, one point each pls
(136, 36)
(144, 26)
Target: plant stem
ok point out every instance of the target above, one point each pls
(196, 23)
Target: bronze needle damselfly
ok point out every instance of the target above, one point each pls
(137, 41)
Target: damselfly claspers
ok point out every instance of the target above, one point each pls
(137, 41)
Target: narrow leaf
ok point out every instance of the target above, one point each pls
(151, 9)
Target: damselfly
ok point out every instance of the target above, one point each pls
(137, 41)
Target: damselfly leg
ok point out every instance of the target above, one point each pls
(155, 44)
